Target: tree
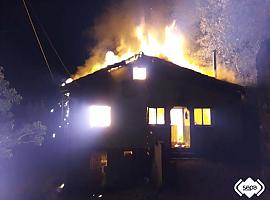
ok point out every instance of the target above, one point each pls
(235, 29)
(10, 135)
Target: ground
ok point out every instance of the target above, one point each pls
(34, 175)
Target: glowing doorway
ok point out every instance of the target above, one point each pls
(180, 127)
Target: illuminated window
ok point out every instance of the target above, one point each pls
(198, 116)
(103, 159)
(180, 127)
(98, 160)
(160, 116)
(206, 116)
(128, 153)
(100, 116)
(176, 116)
(139, 73)
(152, 117)
(202, 116)
(156, 116)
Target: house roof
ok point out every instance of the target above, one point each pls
(141, 58)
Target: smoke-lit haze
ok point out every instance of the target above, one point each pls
(234, 28)
(114, 29)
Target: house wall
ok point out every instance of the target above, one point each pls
(232, 134)
(164, 87)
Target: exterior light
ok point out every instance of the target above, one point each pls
(63, 84)
(139, 73)
(52, 110)
(100, 116)
(53, 135)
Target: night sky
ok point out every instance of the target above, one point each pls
(66, 22)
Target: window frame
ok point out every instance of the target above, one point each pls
(137, 73)
(98, 109)
(163, 121)
(202, 116)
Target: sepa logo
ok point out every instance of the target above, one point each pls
(249, 187)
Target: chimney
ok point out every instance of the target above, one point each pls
(215, 63)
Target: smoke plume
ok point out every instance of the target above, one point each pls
(234, 28)
(114, 29)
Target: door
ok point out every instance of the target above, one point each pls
(180, 127)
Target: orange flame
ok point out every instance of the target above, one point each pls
(167, 43)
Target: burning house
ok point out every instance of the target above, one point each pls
(144, 111)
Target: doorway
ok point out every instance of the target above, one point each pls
(180, 127)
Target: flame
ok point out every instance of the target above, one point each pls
(167, 43)
(172, 47)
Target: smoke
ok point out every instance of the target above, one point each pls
(113, 30)
(249, 26)
(234, 28)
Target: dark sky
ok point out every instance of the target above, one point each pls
(65, 21)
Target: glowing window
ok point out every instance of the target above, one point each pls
(98, 160)
(206, 116)
(160, 116)
(180, 127)
(202, 116)
(198, 116)
(139, 73)
(176, 116)
(103, 159)
(156, 116)
(100, 116)
(152, 117)
(128, 153)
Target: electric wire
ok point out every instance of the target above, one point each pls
(50, 41)
(55, 51)
(37, 38)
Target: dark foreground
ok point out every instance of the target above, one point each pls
(189, 179)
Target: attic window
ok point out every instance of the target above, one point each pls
(156, 116)
(139, 73)
(202, 116)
